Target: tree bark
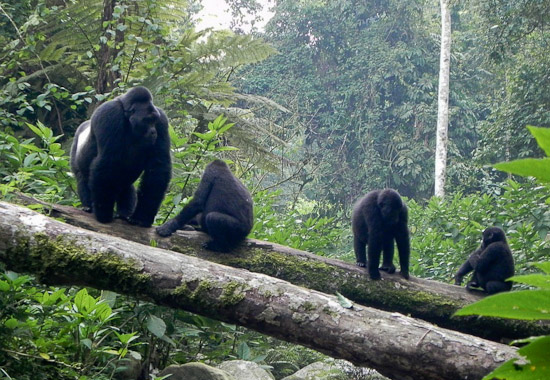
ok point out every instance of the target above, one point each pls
(106, 77)
(397, 346)
(431, 301)
(443, 101)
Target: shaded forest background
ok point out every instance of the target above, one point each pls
(329, 101)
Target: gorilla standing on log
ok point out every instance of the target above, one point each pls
(492, 264)
(125, 137)
(378, 219)
(224, 205)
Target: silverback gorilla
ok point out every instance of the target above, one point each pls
(125, 137)
(492, 264)
(224, 205)
(379, 219)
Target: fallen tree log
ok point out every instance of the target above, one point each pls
(431, 301)
(395, 345)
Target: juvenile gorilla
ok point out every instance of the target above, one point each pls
(379, 218)
(492, 264)
(224, 205)
(125, 137)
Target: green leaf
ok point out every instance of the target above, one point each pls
(545, 267)
(11, 323)
(83, 301)
(536, 368)
(539, 280)
(525, 304)
(87, 343)
(103, 312)
(243, 351)
(344, 302)
(4, 286)
(542, 135)
(527, 167)
(127, 338)
(156, 326)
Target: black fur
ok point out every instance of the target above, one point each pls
(125, 137)
(379, 219)
(492, 264)
(224, 205)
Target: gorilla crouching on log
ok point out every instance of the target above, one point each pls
(125, 138)
(379, 219)
(492, 264)
(224, 205)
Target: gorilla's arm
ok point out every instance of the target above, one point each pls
(191, 210)
(155, 179)
(463, 271)
(188, 213)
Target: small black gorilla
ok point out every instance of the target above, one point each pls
(224, 205)
(125, 137)
(492, 264)
(379, 218)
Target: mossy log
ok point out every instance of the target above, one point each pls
(432, 301)
(397, 346)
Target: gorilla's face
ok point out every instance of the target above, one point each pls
(144, 117)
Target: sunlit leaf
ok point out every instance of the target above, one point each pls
(539, 280)
(525, 304)
(542, 135)
(545, 267)
(536, 368)
(528, 167)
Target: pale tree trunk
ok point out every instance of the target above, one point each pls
(397, 346)
(431, 301)
(443, 101)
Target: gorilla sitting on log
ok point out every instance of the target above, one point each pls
(492, 264)
(223, 207)
(125, 137)
(379, 219)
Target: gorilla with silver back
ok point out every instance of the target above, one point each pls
(126, 138)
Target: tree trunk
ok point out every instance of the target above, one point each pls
(431, 301)
(106, 76)
(397, 346)
(443, 100)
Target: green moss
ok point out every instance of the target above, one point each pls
(195, 292)
(232, 294)
(308, 306)
(333, 313)
(201, 291)
(61, 260)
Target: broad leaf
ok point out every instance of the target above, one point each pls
(536, 367)
(156, 326)
(344, 302)
(527, 167)
(525, 304)
(243, 351)
(543, 137)
(545, 267)
(539, 280)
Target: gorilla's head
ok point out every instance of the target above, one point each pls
(390, 205)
